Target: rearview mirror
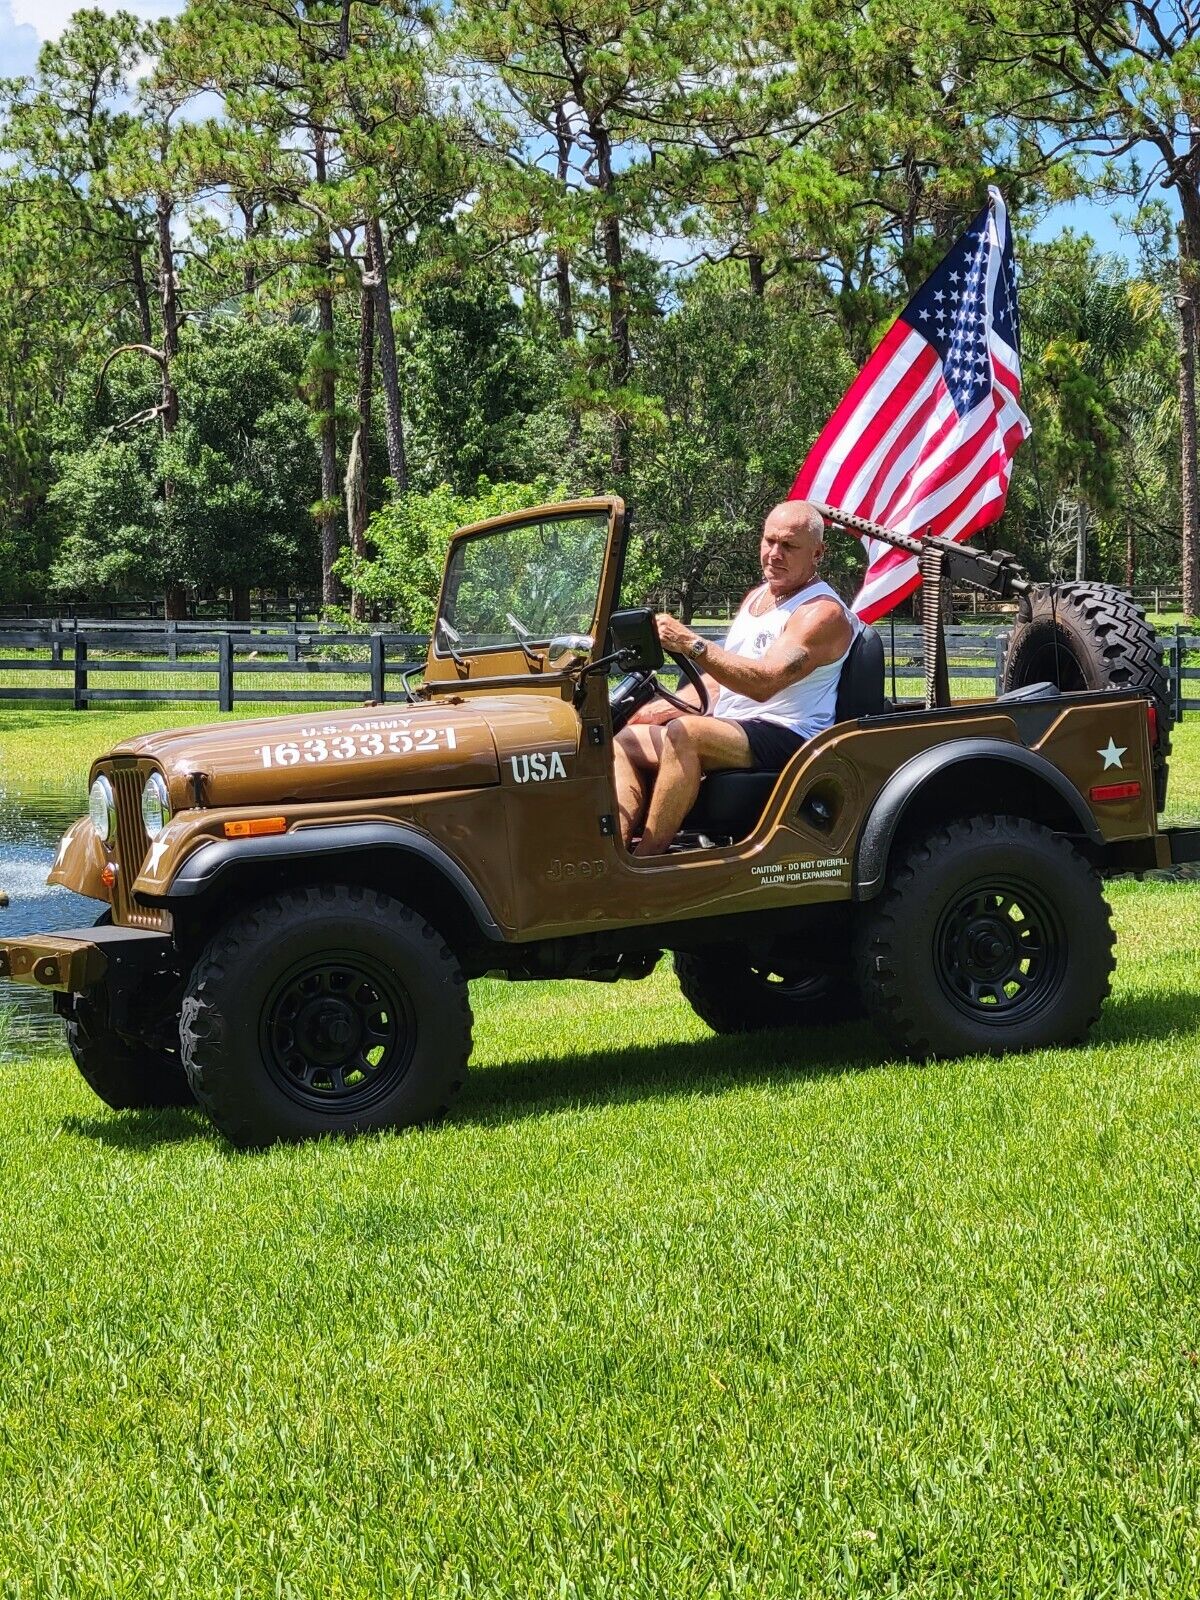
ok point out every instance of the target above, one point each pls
(633, 634)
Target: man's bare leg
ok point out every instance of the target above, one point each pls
(635, 761)
(691, 747)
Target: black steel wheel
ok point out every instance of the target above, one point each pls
(1000, 950)
(338, 1031)
(326, 1010)
(734, 994)
(992, 934)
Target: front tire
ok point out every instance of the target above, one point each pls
(126, 1075)
(991, 935)
(327, 1010)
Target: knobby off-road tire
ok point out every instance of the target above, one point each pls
(732, 996)
(1088, 636)
(992, 934)
(326, 1010)
(126, 1075)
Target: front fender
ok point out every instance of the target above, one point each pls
(80, 861)
(905, 784)
(217, 860)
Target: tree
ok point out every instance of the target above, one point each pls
(1120, 81)
(591, 73)
(73, 255)
(745, 383)
(411, 535)
(237, 461)
(476, 376)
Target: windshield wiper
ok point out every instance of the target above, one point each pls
(453, 637)
(522, 632)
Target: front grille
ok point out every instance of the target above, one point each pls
(128, 781)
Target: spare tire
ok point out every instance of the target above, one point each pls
(1092, 636)
(1087, 636)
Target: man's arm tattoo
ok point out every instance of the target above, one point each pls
(797, 661)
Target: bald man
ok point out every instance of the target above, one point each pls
(771, 685)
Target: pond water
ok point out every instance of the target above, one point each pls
(31, 822)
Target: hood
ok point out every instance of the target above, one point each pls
(453, 742)
(325, 755)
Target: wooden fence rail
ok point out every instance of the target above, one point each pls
(258, 664)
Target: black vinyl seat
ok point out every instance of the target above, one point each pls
(730, 803)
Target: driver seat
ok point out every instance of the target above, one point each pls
(731, 802)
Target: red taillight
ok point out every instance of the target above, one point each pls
(1115, 791)
(1152, 719)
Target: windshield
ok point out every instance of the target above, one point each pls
(522, 585)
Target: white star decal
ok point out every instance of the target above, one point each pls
(924, 315)
(157, 851)
(1112, 753)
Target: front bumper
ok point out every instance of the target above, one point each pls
(78, 958)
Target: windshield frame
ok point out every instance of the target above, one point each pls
(509, 655)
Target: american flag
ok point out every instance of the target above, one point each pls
(923, 439)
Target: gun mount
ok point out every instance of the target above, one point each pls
(997, 573)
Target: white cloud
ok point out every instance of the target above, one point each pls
(18, 44)
(48, 18)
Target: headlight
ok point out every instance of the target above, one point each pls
(156, 805)
(102, 808)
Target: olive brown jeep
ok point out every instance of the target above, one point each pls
(293, 906)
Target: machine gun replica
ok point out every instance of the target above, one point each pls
(939, 561)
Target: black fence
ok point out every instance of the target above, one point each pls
(265, 607)
(246, 662)
(263, 663)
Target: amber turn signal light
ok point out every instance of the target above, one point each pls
(108, 874)
(251, 827)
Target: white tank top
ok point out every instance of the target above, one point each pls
(807, 706)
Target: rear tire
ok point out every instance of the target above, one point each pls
(991, 935)
(732, 996)
(325, 1010)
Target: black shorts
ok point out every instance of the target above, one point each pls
(771, 744)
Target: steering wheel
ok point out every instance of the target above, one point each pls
(639, 687)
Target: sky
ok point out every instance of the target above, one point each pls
(25, 24)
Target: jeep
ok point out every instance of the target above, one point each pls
(293, 906)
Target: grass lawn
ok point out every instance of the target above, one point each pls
(653, 1315)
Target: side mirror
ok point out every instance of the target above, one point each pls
(632, 635)
(577, 647)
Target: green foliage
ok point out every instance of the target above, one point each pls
(474, 376)
(238, 465)
(410, 536)
(1100, 366)
(620, 245)
(744, 384)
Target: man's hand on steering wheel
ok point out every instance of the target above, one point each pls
(677, 640)
(676, 637)
(640, 689)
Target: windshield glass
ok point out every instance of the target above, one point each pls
(523, 584)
